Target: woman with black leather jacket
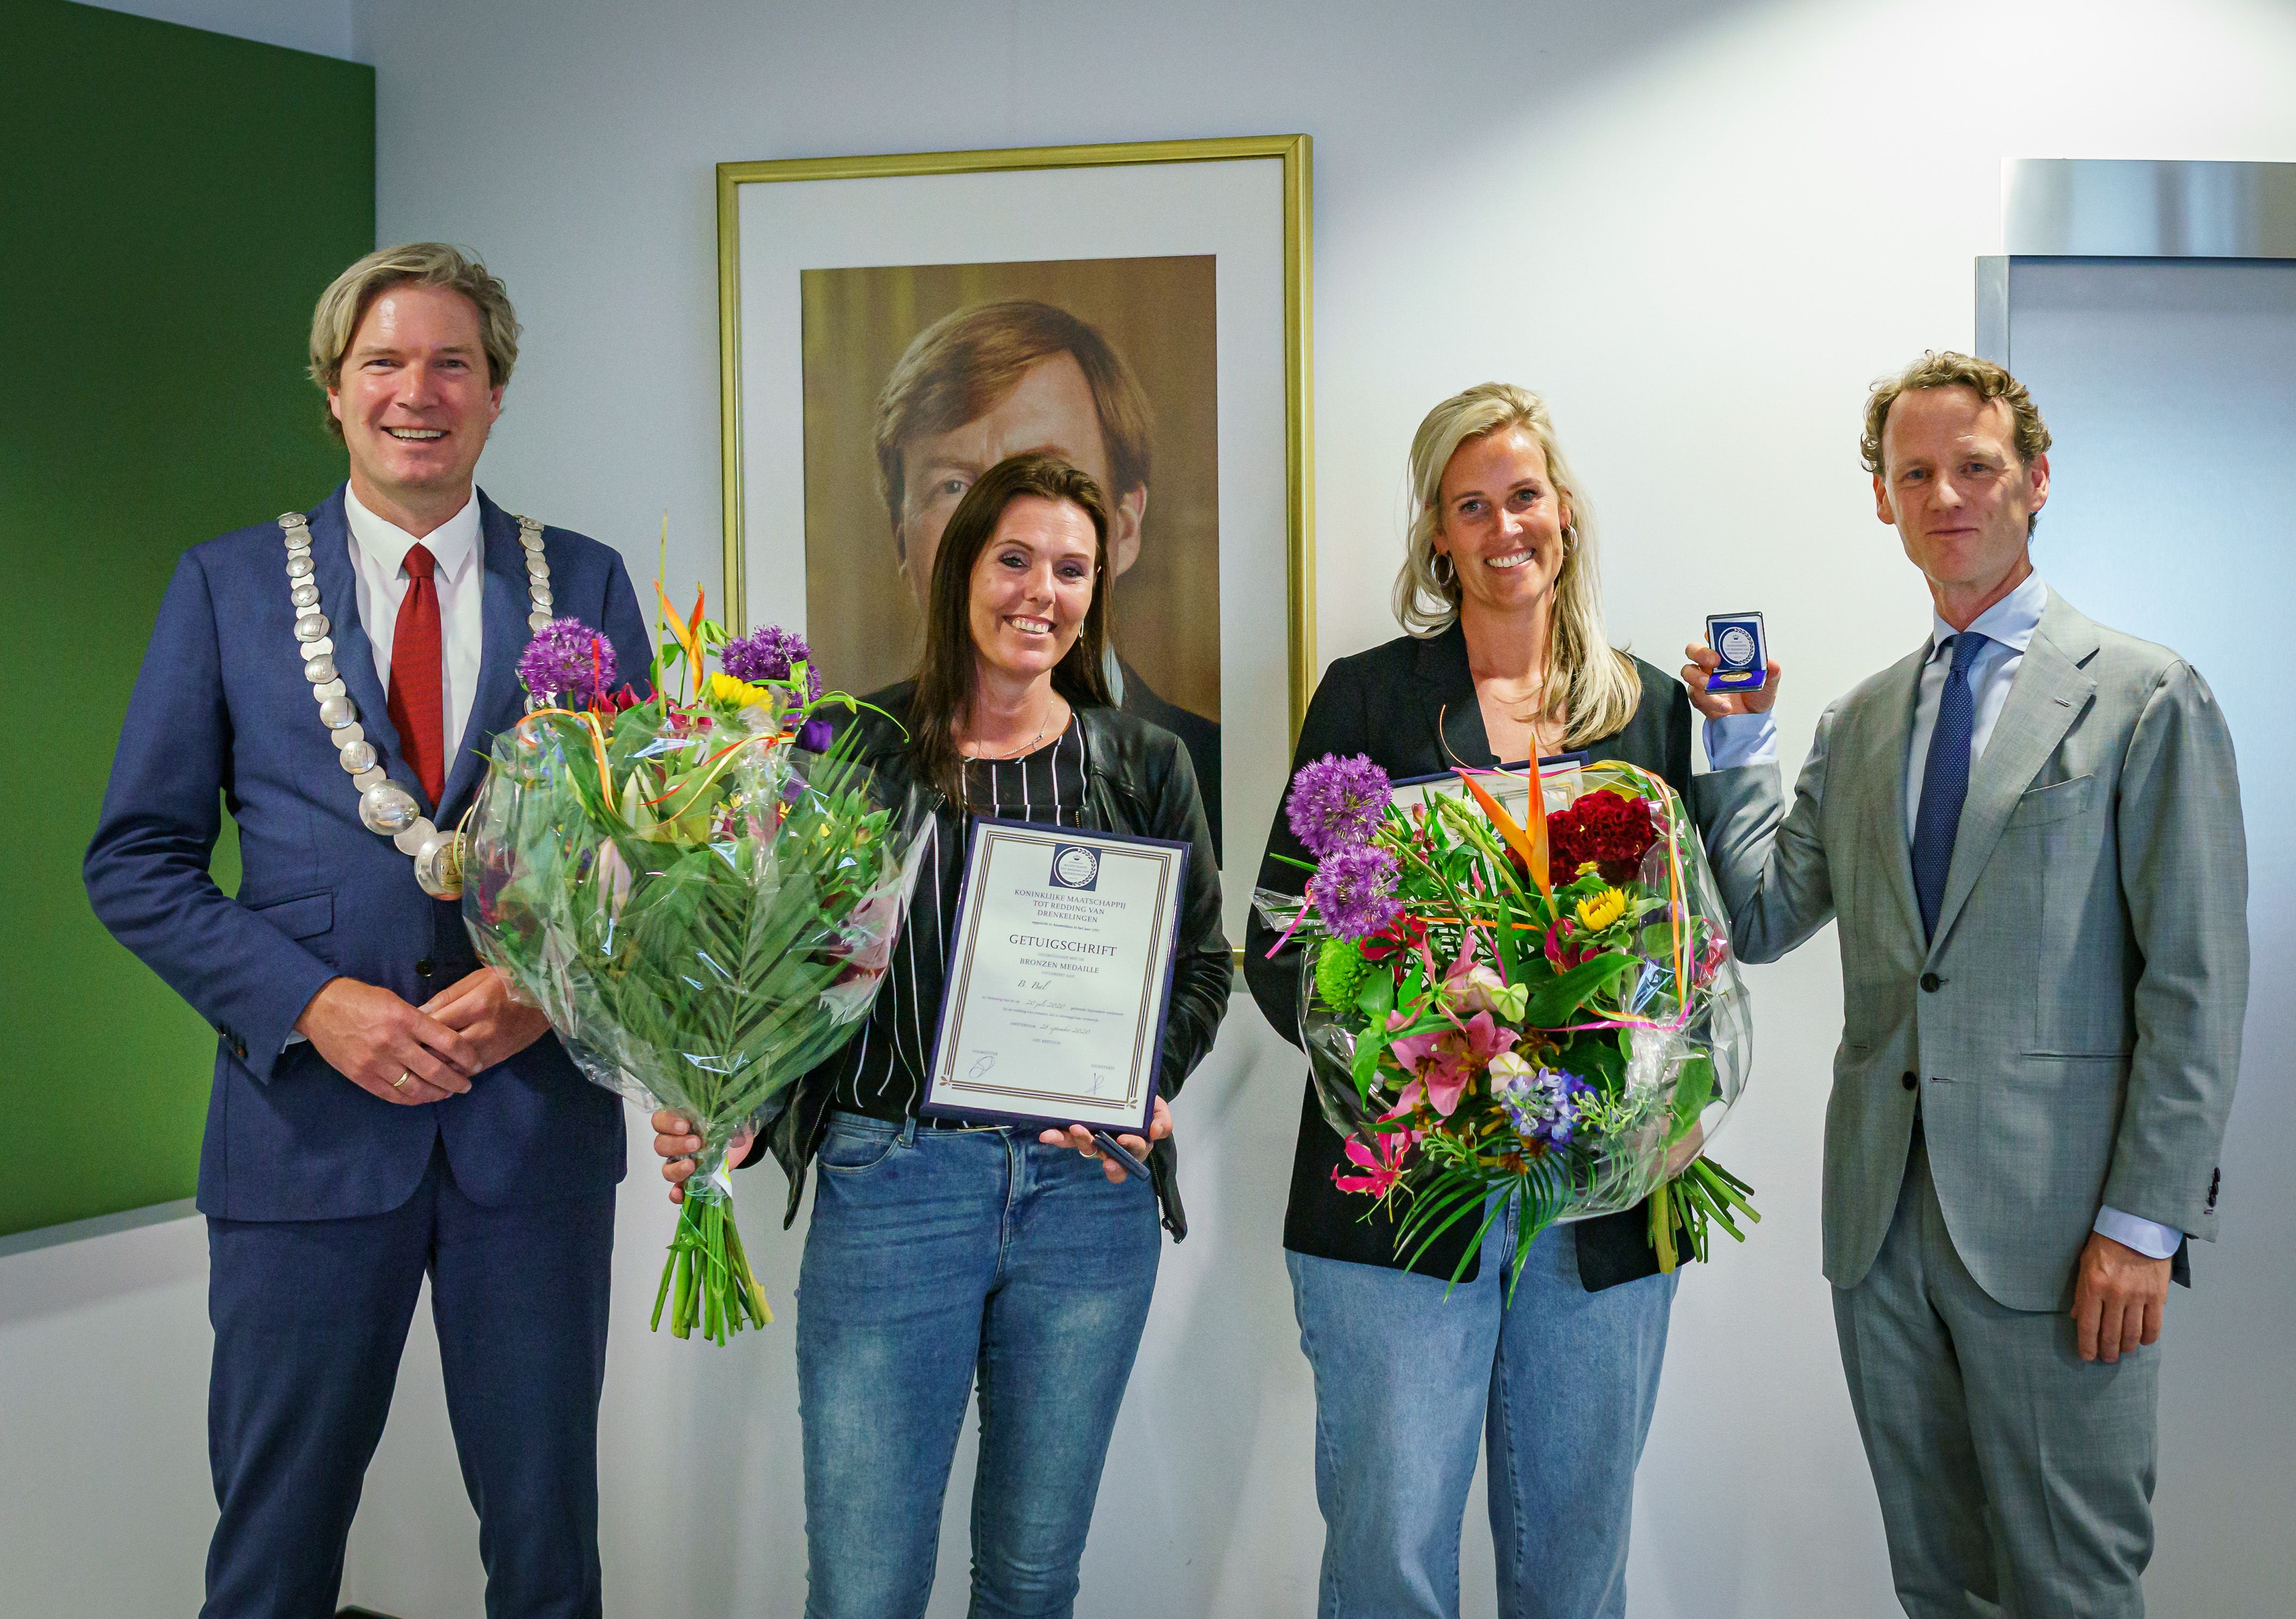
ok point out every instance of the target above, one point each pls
(941, 1252)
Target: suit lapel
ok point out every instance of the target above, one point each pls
(1881, 764)
(1446, 697)
(331, 566)
(2048, 695)
(504, 608)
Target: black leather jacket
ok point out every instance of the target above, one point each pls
(1138, 781)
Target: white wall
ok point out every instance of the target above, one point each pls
(324, 27)
(1702, 229)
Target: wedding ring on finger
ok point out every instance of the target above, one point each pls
(404, 1076)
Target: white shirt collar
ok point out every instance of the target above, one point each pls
(2010, 621)
(453, 542)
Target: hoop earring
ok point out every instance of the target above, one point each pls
(1443, 570)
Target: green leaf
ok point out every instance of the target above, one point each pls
(1371, 1045)
(1599, 1062)
(1509, 945)
(1552, 1004)
(1693, 1089)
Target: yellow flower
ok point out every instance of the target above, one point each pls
(1586, 868)
(726, 689)
(1597, 912)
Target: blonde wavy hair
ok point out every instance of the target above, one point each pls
(418, 264)
(1599, 684)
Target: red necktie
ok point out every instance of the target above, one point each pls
(416, 705)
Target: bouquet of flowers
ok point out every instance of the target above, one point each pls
(1547, 1008)
(701, 892)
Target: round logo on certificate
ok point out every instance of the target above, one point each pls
(1737, 648)
(1075, 867)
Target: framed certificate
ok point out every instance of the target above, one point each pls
(1059, 975)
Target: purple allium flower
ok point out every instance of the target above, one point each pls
(1335, 802)
(769, 653)
(1353, 887)
(817, 734)
(569, 661)
(1542, 1104)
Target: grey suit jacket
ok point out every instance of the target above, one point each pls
(2072, 1032)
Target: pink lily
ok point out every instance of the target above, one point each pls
(876, 923)
(1442, 1061)
(1382, 1166)
(1471, 987)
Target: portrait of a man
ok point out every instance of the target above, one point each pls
(1065, 358)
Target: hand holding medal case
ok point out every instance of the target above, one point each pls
(1738, 641)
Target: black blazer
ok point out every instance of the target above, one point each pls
(1411, 706)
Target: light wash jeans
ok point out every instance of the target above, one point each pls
(1561, 1380)
(936, 1256)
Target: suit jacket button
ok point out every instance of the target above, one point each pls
(1911, 1080)
(424, 968)
(1930, 981)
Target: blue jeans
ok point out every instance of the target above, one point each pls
(937, 1256)
(1561, 1380)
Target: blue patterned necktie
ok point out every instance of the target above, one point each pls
(1944, 781)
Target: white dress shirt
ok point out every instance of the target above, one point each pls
(2007, 626)
(377, 564)
(379, 580)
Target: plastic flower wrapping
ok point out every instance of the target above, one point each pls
(701, 898)
(1546, 1008)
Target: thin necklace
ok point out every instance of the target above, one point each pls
(1028, 747)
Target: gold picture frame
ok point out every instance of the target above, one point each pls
(1292, 152)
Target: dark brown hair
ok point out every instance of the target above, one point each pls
(949, 672)
(959, 367)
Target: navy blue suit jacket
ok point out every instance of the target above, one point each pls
(222, 714)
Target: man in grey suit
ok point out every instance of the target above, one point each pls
(2029, 830)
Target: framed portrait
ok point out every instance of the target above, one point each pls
(892, 326)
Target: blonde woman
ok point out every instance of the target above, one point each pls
(1506, 661)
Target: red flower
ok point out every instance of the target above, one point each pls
(1604, 826)
(1405, 932)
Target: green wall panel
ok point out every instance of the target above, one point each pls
(171, 204)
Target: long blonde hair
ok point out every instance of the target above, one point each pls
(1599, 685)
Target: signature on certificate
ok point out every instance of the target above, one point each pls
(982, 1061)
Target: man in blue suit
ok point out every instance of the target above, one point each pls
(382, 1109)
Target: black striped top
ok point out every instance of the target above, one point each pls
(882, 1072)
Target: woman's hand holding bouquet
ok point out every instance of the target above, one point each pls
(1549, 1010)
